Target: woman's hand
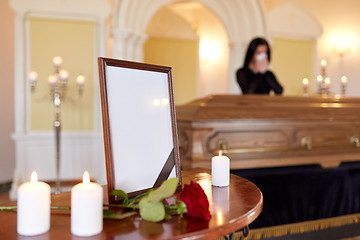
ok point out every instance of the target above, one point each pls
(261, 63)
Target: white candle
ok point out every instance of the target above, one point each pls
(33, 213)
(86, 208)
(220, 171)
(323, 63)
(305, 82)
(52, 80)
(344, 80)
(33, 77)
(327, 81)
(64, 75)
(80, 80)
(57, 61)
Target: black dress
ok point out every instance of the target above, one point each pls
(257, 83)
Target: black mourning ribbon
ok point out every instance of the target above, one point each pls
(166, 170)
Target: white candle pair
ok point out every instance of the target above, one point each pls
(220, 171)
(34, 208)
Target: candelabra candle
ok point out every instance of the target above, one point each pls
(320, 84)
(327, 85)
(80, 81)
(32, 79)
(343, 85)
(323, 67)
(52, 81)
(63, 76)
(57, 61)
(305, 82)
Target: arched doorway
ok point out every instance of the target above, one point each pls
(191, 39)
(242, 20)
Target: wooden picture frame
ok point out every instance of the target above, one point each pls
(139, 125)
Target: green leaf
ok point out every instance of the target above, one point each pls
(150, 211)
(138, 198)
(166, 189)
(121, 193)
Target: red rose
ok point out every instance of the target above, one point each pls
(196, 201)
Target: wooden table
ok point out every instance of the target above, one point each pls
(232, 208)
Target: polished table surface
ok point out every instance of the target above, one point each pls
(232, 208)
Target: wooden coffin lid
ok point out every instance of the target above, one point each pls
(329, 108)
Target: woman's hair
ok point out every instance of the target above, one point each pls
(252, 49)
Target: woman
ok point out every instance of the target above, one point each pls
(254, 77)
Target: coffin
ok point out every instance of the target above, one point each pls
(257, 131)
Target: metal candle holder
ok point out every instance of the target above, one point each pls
(58, 88)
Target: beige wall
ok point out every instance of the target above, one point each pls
(292, 60)
(74, 42)
(7, 152)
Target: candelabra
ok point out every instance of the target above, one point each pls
(58, 87)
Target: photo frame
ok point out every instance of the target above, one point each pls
(139, 125)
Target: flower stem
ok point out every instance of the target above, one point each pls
(15, 207)
(61, 208)
(122, 206)
(7, 207)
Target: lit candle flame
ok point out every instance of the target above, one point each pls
(34, 177)
(86, 177)
(220, 153)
